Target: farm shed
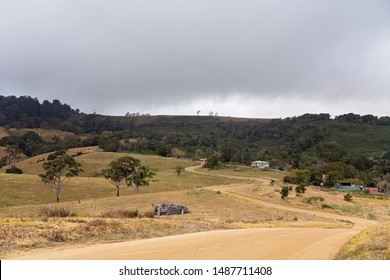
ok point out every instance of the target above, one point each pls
(260, 164)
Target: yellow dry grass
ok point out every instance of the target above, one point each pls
(370, 244)
(374, 207)
(29, 233)
(90, 197)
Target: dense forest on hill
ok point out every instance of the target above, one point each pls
(355, 146)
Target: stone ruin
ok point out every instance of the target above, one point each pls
(169, 209)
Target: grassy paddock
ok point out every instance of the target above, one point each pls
(28, 233)
(246, 171)
(89, 210)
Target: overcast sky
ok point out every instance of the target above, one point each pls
(251, 58)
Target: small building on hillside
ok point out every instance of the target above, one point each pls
(260, 164)
(347, 186)
(372, 190)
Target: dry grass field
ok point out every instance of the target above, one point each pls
(89, 210)
(373, 207)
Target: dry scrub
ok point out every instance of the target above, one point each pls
(27, 233)
(370, 244)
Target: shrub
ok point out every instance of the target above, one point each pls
(14, 170)
(56, 154)
(212, 162)
(371, 216)
(312, 199)
(57, 212)
(284, 192)
(123, 213)
(300, 188)
(348, 197)
(326, 206)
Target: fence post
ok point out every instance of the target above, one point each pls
(182, 214)
(94, 208)
(158, 210)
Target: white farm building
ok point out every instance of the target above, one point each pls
(260, 164)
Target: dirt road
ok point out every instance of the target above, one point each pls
(256, 244)
(275, 243)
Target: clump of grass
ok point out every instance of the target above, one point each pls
(312, 199)
(57, 212)
(350, 208)
(348, 197)
(371, 215)
(121, 213)
(148, 214)
(56, 235)
(326, 206)
(370, 244)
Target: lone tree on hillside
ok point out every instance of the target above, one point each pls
(59, 170)
(179, 170)
(140, 178)
(129, 170)
(284, 192)
(12, 155)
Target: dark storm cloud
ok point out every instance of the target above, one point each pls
(118, 56)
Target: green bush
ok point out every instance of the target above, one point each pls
(326, 206)
(212, 162)
(284, 192)
(348, 197)
(300, 188)
(14, 170)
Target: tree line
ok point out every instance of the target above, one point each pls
(60, 167)
(308, 142)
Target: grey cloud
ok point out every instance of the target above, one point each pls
(106, 54)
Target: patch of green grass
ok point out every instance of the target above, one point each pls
(350, 208)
